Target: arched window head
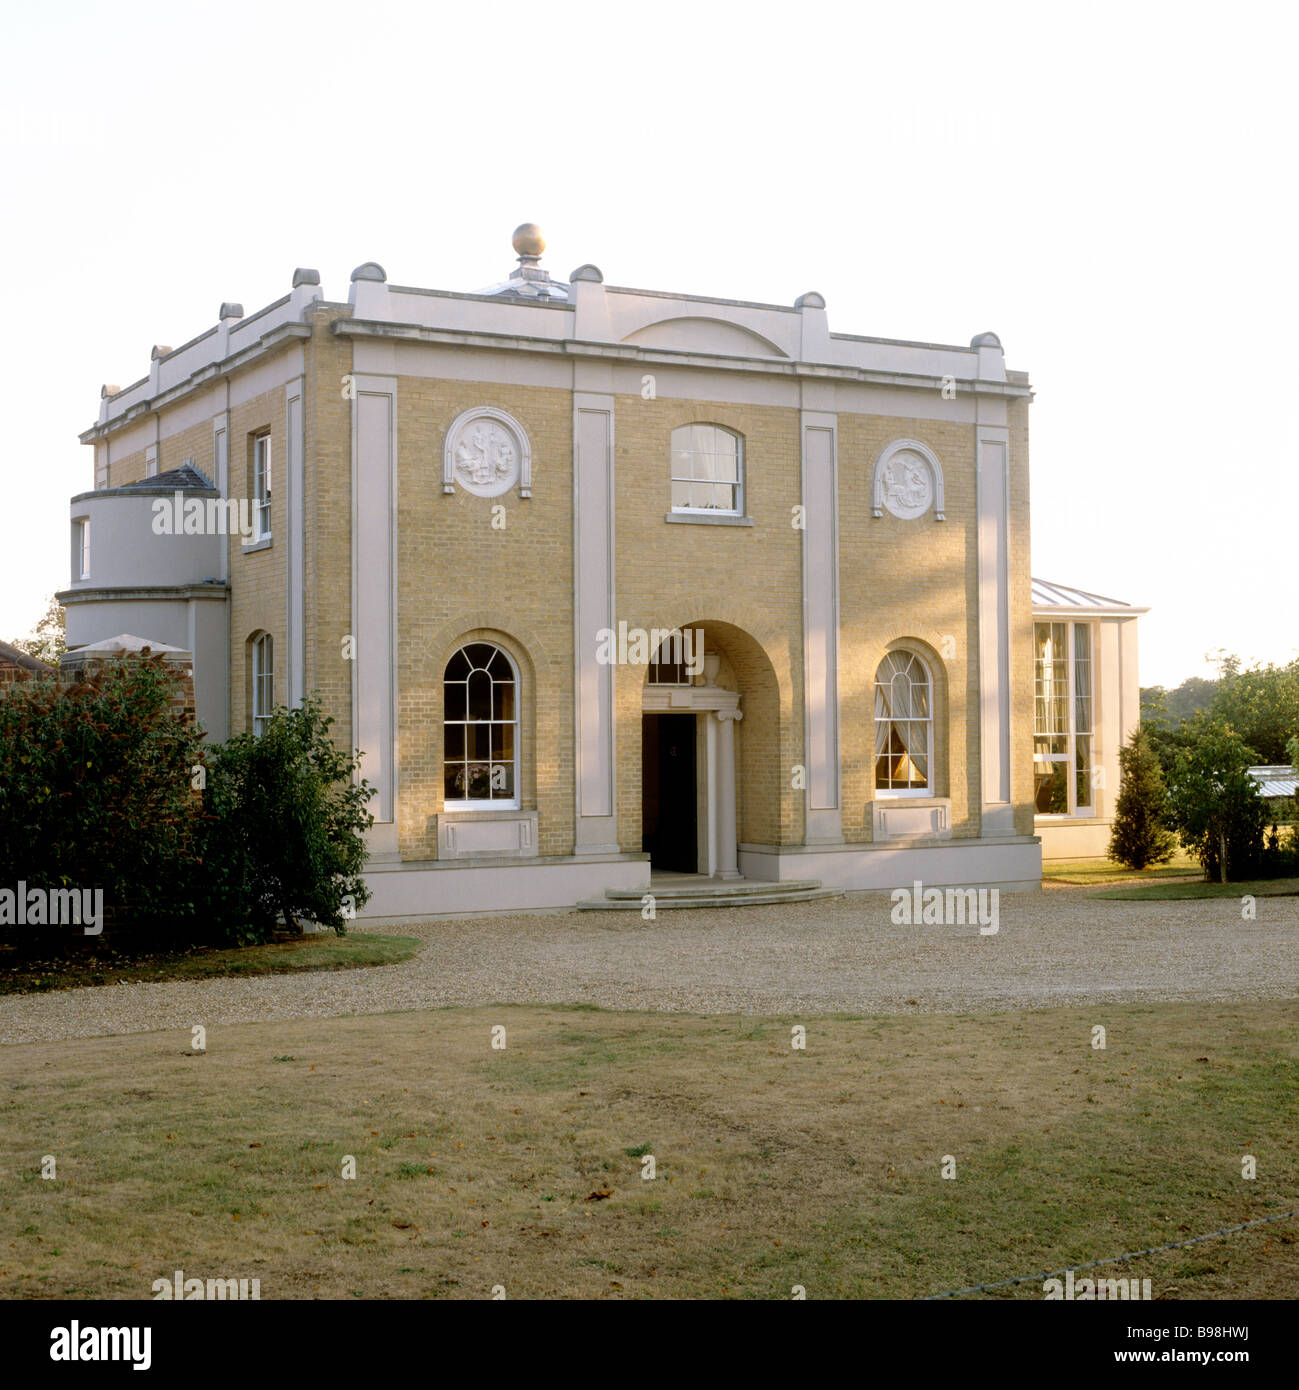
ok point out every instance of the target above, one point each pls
(904, 726)
(707, 470)
(480, 692)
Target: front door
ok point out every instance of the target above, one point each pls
(669, 791)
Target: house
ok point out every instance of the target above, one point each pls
(600, 580)
(1086, 705)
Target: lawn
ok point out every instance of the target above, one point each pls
(522, 1166)
(30, 963)
(1091, 872)
(1175, 892)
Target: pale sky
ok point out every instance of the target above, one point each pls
(1111, 189)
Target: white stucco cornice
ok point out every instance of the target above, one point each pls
(127, 592)
(271, 341)
(1052, 610)
(667, 357)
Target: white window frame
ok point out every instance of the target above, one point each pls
(1070, 756)
(738, 485)
(263, 682)
(905, 793)
(81, 548)
(263, 487)
(670, 643)
(499, 803)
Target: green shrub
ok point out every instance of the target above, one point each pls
(1139, 836)
(1215, 803)
(284, 835)
(96, 792)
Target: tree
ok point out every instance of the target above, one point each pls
(1262, 705)
(1166, 736)
(1139, 837)
(1215, 803)
(286, 824)
(48, 642)
(96, 792)
(1182, 702)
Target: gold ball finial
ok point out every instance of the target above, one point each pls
(528, 240)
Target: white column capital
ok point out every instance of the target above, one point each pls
(722, 715)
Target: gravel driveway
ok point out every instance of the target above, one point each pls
(1056, 948)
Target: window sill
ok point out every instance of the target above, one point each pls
(263, 544)
(703, 519)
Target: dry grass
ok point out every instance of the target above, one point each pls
(775, 1167)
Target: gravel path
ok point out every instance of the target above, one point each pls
(845, 955)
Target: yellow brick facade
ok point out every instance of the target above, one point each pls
(502, 570)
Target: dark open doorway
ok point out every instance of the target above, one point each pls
(669, 831)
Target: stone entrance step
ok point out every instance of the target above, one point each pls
(694, 890)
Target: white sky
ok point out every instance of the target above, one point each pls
(1110, 188)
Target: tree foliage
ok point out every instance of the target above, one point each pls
(1139, 836)
(286, 822)
(1262, 705)
(99, 790)
(1215, 804)
(95, 789)
(48, 641)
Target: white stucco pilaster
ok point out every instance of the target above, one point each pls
(993, 468)
(374, 595)
(821, 625)
(726, 863)
(221, 475)
(1107, 715)
(294, 623)
(593, 609)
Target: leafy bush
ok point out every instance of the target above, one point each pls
(1139, 836)
(285, 824)
(1215, 803)
(95, 789)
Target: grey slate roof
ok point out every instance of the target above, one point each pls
(186, 476)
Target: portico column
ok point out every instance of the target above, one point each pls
(727, 854)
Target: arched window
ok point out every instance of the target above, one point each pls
(481, 729)
(263, 681)
(904, 726)
(707, 470)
